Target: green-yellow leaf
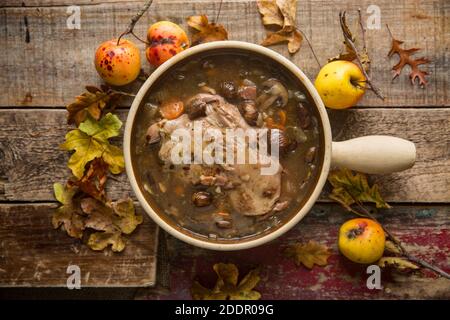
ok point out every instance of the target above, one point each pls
(308, 254)
(227, 286)
(90, 141)
(396, 262)
(349, 187)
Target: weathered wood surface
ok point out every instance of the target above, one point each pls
(31, 160)
(32, 254)
(423, 230)
(53, 65)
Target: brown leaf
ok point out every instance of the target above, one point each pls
(396, 262)
(112, 219)
(308, 254)
(406, 59)
(294, 39)
(349, 187)
(349, 54)
(227, 286)
(94, 180)
(207, 32)
(91, 102)
(289, 10)
(270, 13)
(69, 214)
(100, 240)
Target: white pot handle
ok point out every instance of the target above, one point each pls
(374, 154)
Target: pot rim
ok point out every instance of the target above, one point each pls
(274, 56)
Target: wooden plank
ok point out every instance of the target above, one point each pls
(31, 160)
(34, 255)
(56, 62)
(424, 230)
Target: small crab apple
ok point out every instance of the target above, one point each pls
(118, 63)
(166, 40)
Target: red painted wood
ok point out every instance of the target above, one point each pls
(426, 230)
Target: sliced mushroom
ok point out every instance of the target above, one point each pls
(223, 220)
(274, 94)
(153, 135)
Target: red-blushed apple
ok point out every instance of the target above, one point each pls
(362, 240)
(166, 40)
(118, 64)
(340, 84)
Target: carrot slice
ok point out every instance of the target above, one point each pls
(171, 109)
(270, 122)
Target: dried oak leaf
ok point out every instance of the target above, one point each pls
(69, 214)
(405, 59)
(397, 262)
(308, 254)
(349, 187)
(111, 219)
(206, 32)
(293, 38)
(227, 286)
(90, 141)
(94, 179)
(91, 102)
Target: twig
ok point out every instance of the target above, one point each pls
(310, 46)
(134, 20)
(350, 42)
(218, 13)
(363, 30)
(399, 245)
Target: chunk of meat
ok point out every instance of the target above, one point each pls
(256, 194)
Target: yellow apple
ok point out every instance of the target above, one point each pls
(362, 240)
(340, 84)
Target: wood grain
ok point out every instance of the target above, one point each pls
(423, 230)
(56, 62)
(32, 254)
(31, 161)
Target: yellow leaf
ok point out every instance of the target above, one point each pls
(293, 38)
(90, 141)
(396, 262)
(227, 286)
(308, 254)
(206, 32)
(391, 247)
(349, 187)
